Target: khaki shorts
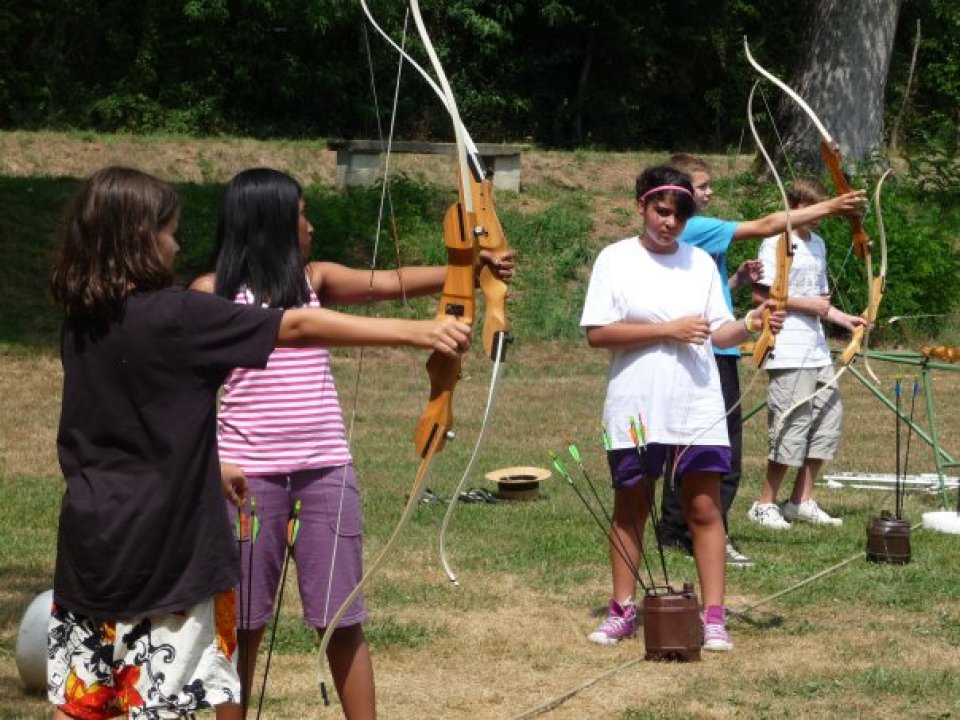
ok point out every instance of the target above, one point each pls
(164, 666)
(811, 430)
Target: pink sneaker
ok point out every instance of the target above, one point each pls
(715, 637)
(621, 623)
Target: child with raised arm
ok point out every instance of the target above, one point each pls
(281, 427)
(800, 368)
(143, 621)
(715, 237)
(658, 306)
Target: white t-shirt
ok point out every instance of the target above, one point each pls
(801, 343)
(674, 387)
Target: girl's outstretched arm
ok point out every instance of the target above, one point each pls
(337, 284)
(304, 327)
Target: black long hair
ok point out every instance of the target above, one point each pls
(258, 242)
(658, 176)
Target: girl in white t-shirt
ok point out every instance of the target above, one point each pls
(658, 306)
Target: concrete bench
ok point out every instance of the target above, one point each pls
(358, 161)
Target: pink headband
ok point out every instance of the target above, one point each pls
(659, 188)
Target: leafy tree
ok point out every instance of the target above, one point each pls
(933, 120)
(562, 73)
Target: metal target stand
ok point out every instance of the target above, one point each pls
(941, 458)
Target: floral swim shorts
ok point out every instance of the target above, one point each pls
(152, 668)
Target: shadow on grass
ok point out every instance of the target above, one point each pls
(18, 704)
(756, 620)
(21, 583)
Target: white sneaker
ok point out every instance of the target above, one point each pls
(810, 512)
(735, 558)
(768, 515)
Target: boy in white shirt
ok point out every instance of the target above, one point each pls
(799, 367)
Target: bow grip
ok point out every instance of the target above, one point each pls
(490, 236)
(456, 301)
(779, 292)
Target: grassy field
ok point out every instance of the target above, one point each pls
(867, 640)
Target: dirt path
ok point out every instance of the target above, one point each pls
(183, 159)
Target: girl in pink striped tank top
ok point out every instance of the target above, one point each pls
(282, 427)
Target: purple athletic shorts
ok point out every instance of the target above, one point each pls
(324, 540)
(627, 468)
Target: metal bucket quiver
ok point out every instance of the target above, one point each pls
(888, 540)
(672, 629)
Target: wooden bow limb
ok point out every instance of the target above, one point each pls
(499, 352)
(861, 335)
(457, 302)
(468, 225)
(779, 292)
(496, 333)
(473, 156)
(780, 289)
(489, 232)
(830, 152)
(490, 236)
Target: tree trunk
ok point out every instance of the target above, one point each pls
(582, 78)
(843, 69)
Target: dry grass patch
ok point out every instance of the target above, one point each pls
(29, 412)
(876, 641)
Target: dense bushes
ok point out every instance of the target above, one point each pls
(559, 72)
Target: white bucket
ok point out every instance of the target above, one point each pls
(32, 643)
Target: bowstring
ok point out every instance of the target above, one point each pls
(776, 131)
(386, 198)
(386, 201)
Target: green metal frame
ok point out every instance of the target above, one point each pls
(941, 458)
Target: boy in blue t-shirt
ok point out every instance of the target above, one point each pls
(715, 237)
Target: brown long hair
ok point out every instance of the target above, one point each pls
(109, 245)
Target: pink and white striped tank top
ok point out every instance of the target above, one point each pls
(286, 417)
